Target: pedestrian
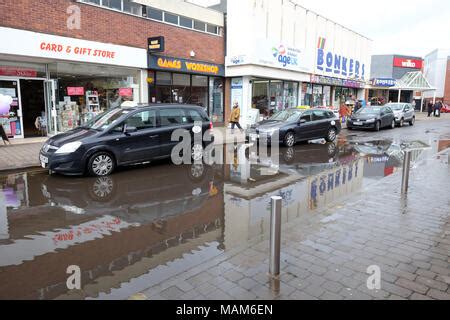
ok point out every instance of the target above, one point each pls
(430, 108)
(437, 109)
(235, 117)
(4, 135)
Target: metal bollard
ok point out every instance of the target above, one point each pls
(275, 237)
(406, 169)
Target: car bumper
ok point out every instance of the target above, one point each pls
(364, 125)
(65, 164)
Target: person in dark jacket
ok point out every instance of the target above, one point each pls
(437, 109)
(430, 108)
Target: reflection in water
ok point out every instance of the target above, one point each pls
(142, 226)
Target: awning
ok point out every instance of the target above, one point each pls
(413, 81)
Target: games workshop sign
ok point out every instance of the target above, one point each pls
(185, 65)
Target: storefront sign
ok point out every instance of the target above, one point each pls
(408, 63)
(337, 82)
(126, 92)
(156, 44)
(384, 82)
(33, 44)
(75, 91)
(17, 72)
(330, 63)
(184, 65)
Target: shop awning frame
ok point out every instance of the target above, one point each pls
(414, 81)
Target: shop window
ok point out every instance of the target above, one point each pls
(317, 97)
(163, 94)
(171, 117)
(131, 7)
(260, 96)
(276, 96)
(113, 4)
(200, 26)
(307, 94)
(200, 91)
(186, 22)
(216, 96)
(163, 78)
(180, 79)
(170, 18)
(154, 14)
(290, 95)
(142, 120)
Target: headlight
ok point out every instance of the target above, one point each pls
(69, 148)
(270, 131)
(370, 121)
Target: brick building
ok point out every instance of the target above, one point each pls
(64, 61)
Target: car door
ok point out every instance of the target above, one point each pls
(140, 139)
(321, 123)
(172, 119)
(387, 116)
(409, 112)
(305, 127)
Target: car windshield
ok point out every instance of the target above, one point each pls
(395, 106)
(103, 121)
(369, 111)
(286, 115)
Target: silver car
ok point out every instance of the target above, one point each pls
(404, 113)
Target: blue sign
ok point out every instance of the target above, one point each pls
(384, 82)
(339, 65)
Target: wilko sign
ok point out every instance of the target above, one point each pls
(408, 63)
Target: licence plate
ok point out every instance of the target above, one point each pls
(357, 123)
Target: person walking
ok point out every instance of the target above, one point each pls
(4, 135)
(430, 108)
(437, 109)
(235, 117)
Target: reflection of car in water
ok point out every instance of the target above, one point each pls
(156, 192)
(380, 148)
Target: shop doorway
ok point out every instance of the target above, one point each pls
(33, 108)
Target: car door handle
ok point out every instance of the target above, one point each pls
(154, 137)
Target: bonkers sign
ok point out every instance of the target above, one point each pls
(336, 64)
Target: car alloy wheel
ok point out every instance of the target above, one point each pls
(413, 121)
(102, 165)
(377, 126)
(289, 139)
(331, 135)
(393, 124)
(197, 152)
(402, 123)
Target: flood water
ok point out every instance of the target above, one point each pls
(146, 224)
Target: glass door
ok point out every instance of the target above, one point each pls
(50, 106)
(10, 108)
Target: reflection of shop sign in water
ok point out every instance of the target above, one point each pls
(337, 64)
(184, 65)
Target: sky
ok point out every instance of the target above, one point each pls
(408, 27)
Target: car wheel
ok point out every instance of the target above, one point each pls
(101, 164)
(197, 152)
(331, 136)
(402, 123)
(393, 124)
(413, 121)
(377, 126)
(289, 139)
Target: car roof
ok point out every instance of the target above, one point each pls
(162, 105)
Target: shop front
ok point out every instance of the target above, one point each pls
(325, 91)
(55, 84)
(177, 80)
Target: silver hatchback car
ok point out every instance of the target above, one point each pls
(404, 113)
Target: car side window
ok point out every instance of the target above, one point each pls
(320, 115)
(306, 116)
(388, 110)
(173, 117)
(142, 120)
(195, 116)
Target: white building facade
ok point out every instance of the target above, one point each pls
(435, 70)
(281, 55)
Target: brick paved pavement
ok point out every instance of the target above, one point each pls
(19, 156)
(325, 254)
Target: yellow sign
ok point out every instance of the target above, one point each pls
(187, 66)
(169, 64)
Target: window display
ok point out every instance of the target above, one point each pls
(9, 108)
(271, 96)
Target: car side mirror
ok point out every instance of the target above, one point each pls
(129, 129)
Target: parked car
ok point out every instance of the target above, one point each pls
(403, 112)
(372, 118)
(445, 108)
(294, 125)
(123, 136)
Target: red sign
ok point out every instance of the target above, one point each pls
(408, 63)
(17, 72)
(75, 91)
(126, 92)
